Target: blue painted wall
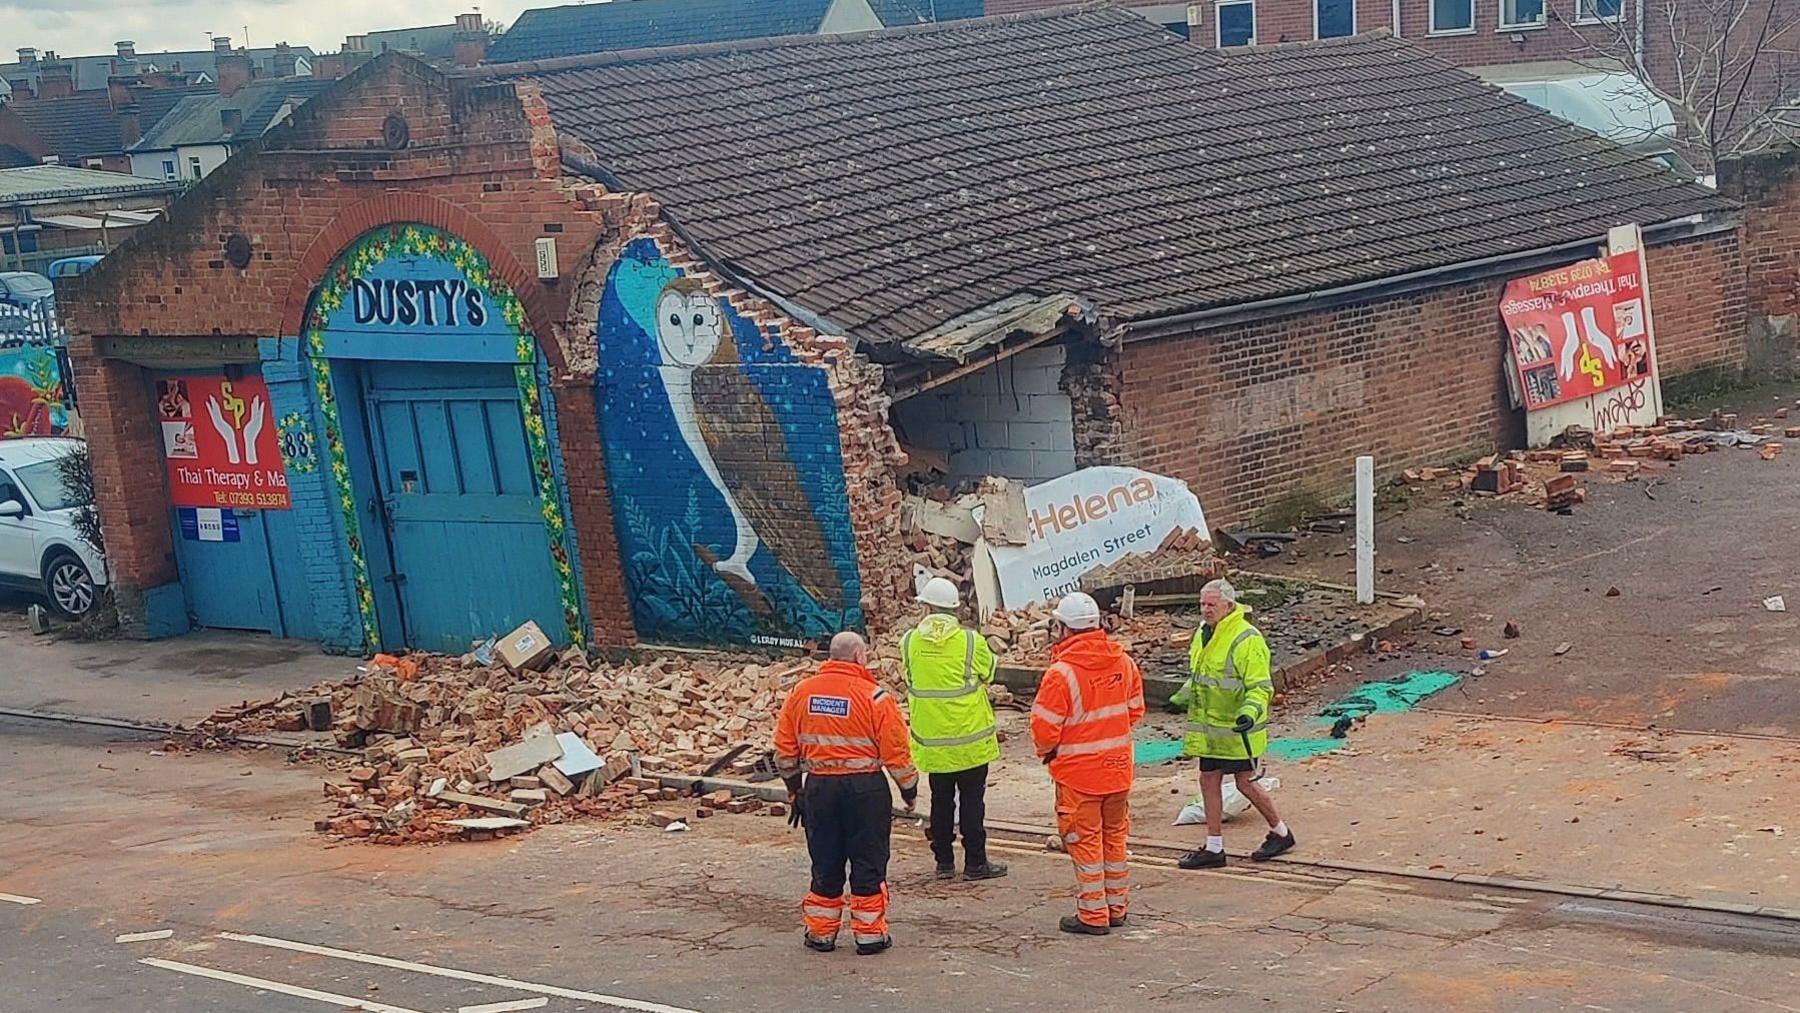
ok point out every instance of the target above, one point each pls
(733, 395)
(321, 563)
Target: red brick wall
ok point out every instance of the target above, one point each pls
(1770, 189)
(1697, 298)
(118, 410)
(481, 163)
(1252, 413)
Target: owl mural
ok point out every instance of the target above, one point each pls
(740, 446)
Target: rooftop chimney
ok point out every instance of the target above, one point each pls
(356, 43)
(231, 120)
(56, 78)
(127, 49)
(233, 66)
(27, 56)
(131, 127)
(285, 61)
(470, 41)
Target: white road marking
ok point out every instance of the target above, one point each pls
(506, 1007)
(340, 1001)
(143, 937)
(451, 972)
(13, 898)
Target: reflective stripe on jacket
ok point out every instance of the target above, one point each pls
(840, 721)
(948, 669)
(1229, 676)
(1087, 703)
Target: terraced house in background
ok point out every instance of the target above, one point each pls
(1691, 80)
(647, 343)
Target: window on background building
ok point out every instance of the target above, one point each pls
(1448, 16)
(1521, 13)
(1178, 27)
(1237, 22)
(194, 166)
(1598, 10)
(1335, 18)
(168, 168)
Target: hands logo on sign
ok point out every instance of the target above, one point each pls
(230, 431)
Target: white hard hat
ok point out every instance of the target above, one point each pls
(1078, 611)
(940, 593)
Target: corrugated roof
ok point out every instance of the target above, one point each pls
(892, 181)
(198, 120)
(49, 182)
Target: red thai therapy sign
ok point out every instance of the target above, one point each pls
(1578, 330)
(220, 439)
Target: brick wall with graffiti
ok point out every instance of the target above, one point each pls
(724, 464)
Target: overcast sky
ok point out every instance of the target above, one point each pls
(90, 27)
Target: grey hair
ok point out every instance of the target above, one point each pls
(1222, 588)
(846, 645)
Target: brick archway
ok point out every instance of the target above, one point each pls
(402, 208)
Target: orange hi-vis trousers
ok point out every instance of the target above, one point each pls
(1094, 828)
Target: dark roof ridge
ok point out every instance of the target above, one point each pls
(617, 57)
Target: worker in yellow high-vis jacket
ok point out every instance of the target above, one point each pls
(1227, 698)
(948, 669)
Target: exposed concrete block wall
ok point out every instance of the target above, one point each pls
(1012, 418)
(1249, 414)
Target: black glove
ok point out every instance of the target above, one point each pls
(796, 800)
(1243, 723)
(910, 796)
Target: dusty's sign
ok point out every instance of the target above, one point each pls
(1091, 518)
(417, 302)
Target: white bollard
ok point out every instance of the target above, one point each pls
(1365, 530)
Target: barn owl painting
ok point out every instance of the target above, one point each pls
(739, 444)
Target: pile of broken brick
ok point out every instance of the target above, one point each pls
(1548, 477)
(434, 748)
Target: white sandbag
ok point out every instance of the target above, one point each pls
(1235, 802)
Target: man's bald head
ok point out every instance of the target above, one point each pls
(848, 646)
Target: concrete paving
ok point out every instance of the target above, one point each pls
(264, 915)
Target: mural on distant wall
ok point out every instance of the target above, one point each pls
(724, 464)
(33, 399)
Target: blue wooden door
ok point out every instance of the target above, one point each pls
(460, 502)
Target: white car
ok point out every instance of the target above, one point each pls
(40, 549)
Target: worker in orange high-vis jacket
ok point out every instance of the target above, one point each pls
(838, 730)
(1087, 703)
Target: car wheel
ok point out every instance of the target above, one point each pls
(69, 586)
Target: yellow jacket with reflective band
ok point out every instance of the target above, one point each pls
(948, 669)
(1229, 676)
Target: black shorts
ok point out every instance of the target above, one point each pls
(1210, 764)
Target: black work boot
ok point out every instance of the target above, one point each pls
(1073, 925)
(878, 946)
(986, 870)
(818, 945)
(1116, 920)
(1273, 845)
(946, 871)
(1201, 858)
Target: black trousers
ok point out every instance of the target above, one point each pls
(848, 817)
(970, 787)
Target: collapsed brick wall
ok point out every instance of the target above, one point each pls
(1253, 413)
(480, 162)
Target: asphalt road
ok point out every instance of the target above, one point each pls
(250, 910)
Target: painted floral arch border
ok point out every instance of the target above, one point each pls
(373, 248)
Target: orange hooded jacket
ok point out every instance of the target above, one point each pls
(1087, 703)
(840, 721)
